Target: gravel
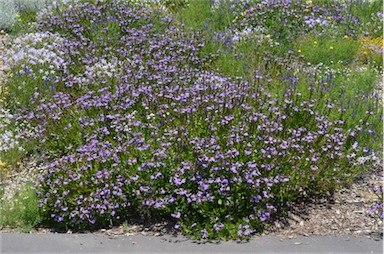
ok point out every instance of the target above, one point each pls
(345, 213)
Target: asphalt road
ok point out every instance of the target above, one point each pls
(100, 243)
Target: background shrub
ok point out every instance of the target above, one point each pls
(8, 14)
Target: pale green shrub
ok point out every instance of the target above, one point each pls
(31, 5)
(8, 14)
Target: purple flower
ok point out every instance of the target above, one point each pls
(176, 215)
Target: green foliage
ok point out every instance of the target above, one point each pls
(20, 210)
(370, 15)
(176, 5)
(196, 15)
(201, 16)
(329, 51)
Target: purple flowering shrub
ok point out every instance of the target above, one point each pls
(203, 149)
(101, 23)
(134, 126)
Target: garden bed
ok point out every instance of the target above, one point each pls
(216, 121)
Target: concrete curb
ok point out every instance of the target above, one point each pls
(99, 243)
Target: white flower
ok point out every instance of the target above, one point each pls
(355, 146)
(362, 160)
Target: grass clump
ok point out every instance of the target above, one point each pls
(20, 209)
(316, 50)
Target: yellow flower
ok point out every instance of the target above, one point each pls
(330, 47)
(329, 18)
(346, 37)
(369, 45)
(315, 42)
(2, 164)
(299, 51)
(267, 36)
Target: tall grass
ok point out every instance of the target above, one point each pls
(19, 209)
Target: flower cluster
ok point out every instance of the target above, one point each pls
(32, 61)
(374, 26)
(371, 50)
(379, 206)
(286, 19)
(8, 139)
(134, 124)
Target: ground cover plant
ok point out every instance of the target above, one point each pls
(218, 125)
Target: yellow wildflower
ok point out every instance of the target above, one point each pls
(329, 18)
(346, 37)
(267, 36)
(315, 42)
(330, 47)
(299, 51)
